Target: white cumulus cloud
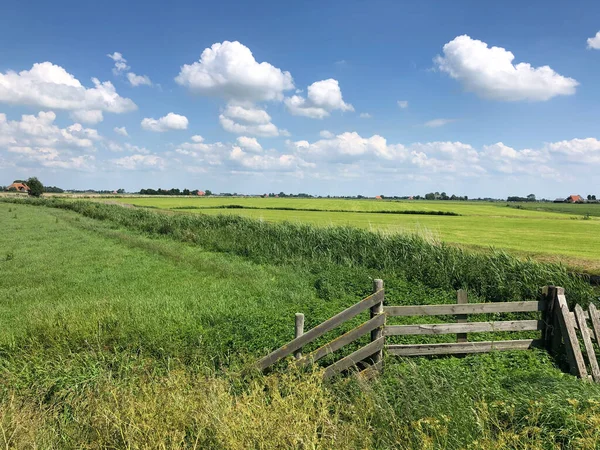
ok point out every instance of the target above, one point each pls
(50, 86)
(140, 162)
(121, 66)
(436, 123)
(229, 70)
(323, 97)
(249, 144)
(138, 80)
(249, 120)
(38, 141)
(402, 104)
(171, 121)
(121, 130)
(594, 42)
(120, 62)
(92, 116)
(490, 73)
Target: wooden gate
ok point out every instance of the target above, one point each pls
(559, 332)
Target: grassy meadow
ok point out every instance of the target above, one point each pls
(546, 231)
(130, 328)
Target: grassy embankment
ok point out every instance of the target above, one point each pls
(549, 236)
(128, 328)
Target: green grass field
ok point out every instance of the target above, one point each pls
(128, 328)
(559, 234)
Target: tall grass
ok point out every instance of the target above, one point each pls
(493, 276)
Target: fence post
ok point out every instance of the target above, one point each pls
(299, 332)
(375, 310)
(461, 299)
(551, 331)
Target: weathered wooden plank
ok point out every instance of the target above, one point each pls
(586, 315)
(462, 347)
(587, 341)
(343, 340)
(567, 329)
(299, 331)
(470, 327)
(461, 299)
(595, 319)
(320, 330)
(548, 316)
(376, 310)
(353, 358)
(471, 308)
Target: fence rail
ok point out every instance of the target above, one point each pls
(560, 332)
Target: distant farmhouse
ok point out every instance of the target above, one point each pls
(571, 199)
(20, 187)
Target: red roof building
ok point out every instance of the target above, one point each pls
(575, 199)
(21, 187)
(200, 193)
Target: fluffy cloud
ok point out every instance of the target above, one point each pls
(171, 121)
(92, 117)
(46, 85)
(37, 141)
(349, 154)
(582, 151)
(229, 70)
(490, 73)
(138, 80)
(121, 66)
(140, 162)
(249, 115)
(120, 62)
(402, 104)
(323, 97)
(594, 42)
(326, 134)
(121, 130)
(435, 123)
(249, 120)
(272, 162)
(249, 144)
(365, 116)
(346, 147)
(247, 156)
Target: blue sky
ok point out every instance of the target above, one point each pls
(322, 97)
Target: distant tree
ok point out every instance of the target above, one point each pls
(53, 189)
(430, 196)
(120, 191)
(208, 192)
(589, 196)
(593, 197)
(186, 192)
(531, 198)
(36, 188)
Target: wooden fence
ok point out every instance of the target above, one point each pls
(559, 329)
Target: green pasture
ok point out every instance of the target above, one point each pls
(487, 209)
(560, 234)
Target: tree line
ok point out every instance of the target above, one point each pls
(173, 191)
